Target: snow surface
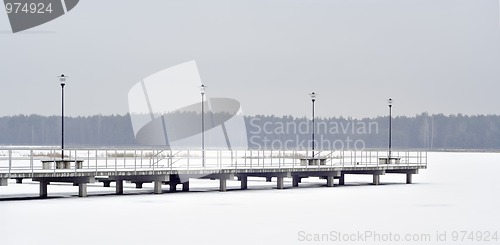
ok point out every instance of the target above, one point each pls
(458, 192)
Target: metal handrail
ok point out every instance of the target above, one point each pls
(13, 160)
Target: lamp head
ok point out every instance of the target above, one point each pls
(62, 79)
(202, 89)
(313, 96)
(389, 102)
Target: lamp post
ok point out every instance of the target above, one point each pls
(62, 79)
(202, 89)
(313, 98)
(390, 128)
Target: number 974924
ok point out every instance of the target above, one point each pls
(28, 8)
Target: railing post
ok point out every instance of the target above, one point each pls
(116, 165)
(279, 158)
(88, 159)
(258, 158)
(426, 158)
(319, 155)
(142, 156)
(271, 160)
(251, 158)
(235, 159)
(96, 157)
(407, 157)
(171, 160)
(74, 159)
(135, 161)
(188, 157)
(10, 161)
(31, 160)
(232, 158)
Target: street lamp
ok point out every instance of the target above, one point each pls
(62, 79)
(202, 90)
(390, 128)
(313, 98)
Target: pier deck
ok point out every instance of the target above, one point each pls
(167, 167)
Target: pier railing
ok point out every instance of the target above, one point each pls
(24, 160)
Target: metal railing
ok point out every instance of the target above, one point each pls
(25, 160)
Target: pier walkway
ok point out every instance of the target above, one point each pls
(174, 167)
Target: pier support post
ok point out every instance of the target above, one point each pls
(157, 187)
(138, 185)
(269, 179)
(408, 178)
(244, 182)
(107, 183)
(173, 187)
(82, 190)
(185, 186)
(222, 184)
(329, 181)
(279, 183)
(43, 188)
(119, 187)
(376, 179)
(342, 179)
(295, 181)
(19, 181)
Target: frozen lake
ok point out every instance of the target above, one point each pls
(457, 195)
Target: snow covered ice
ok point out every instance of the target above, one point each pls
(458, 192)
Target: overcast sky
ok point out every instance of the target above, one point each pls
(436, 56)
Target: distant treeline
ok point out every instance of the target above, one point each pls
(421, 131)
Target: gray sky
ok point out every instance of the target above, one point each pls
(436, 56)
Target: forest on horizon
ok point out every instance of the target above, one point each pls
(423, 131)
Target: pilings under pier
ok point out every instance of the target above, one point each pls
(185, 186)
(173, 186)
(295, 181)
(173, 178)
(82, 189)
(119, 187)
(280, 182)
(43, 188)
(408, 178)
(222, 184)
(157, 187)
(376, 179)
(244, 182)
(329, 181)
(342, 179)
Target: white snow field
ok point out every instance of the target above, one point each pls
(455, 201)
